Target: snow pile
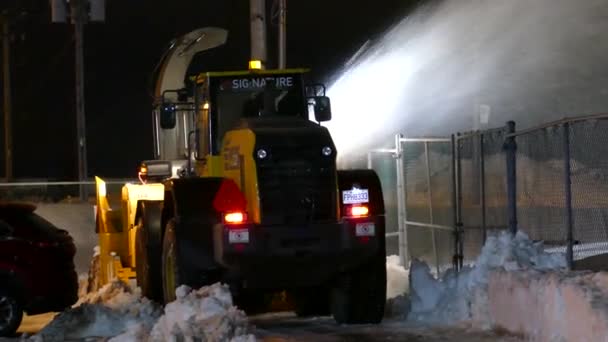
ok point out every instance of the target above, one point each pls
(118, 313)
(114, 309)
(458, 297)
(397, 281)
(207, 314)
(396, 277)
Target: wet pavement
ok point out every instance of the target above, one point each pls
(286, 327)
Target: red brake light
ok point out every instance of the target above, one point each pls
(236, 217)
(229, 198)
(358, 210)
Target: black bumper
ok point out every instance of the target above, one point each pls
(296, 256)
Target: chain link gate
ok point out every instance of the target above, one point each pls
(423, 194)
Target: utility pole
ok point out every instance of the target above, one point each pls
(79, 17)
(282, 34)
(81, 12)
(257, 11)
(6, 77)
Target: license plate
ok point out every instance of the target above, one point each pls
(238, 236)
(355, 196)
(365, 229)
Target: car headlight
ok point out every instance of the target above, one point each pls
(326, 151)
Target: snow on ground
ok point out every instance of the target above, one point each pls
(458, 297)
(397, 288)
(396, 277)
(207, 313)
(120, 313)
(112, 310)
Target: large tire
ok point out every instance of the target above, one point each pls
(11, 313)
(170, 264)
(360, 297)
(185, 259)
(148, 255)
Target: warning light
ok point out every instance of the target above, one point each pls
(359, 211)
(255, 65)
(235, 217)
(142, 174)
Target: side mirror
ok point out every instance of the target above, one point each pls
(168, 119)
(322, 108)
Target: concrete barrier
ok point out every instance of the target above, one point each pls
(549, 306)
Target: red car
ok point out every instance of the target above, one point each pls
(37, 273)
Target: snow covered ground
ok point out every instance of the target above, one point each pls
(118, 313)
(284, 327)
(515, 285)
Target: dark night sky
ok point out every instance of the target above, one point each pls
(120, 56)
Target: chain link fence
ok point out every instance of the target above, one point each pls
(417, 178)
(383, 162)
(541, 208)
(589, 176)
(550, 182)
(429, 206)
(481, 189)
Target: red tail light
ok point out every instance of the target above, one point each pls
(358, 210)
(236, 217)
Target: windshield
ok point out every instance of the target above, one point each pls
(256, 96)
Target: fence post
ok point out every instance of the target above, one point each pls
(430, 204)
(510, 148)
(401, 202)
(457, 259)
(482, 187)
(460, 225)
(568, 195)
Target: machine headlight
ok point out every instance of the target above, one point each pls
(262, 153)
(326, 151)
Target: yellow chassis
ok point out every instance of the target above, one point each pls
(117, 228)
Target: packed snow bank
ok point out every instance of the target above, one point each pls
(463, 296)
(207, 314)
(550, 306)
(120, 313)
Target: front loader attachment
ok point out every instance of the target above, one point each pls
(113, 239)
(117, 227)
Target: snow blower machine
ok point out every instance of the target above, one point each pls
(244, 190)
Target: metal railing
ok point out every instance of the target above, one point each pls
(55, 191)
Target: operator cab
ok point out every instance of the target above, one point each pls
(193, 127)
